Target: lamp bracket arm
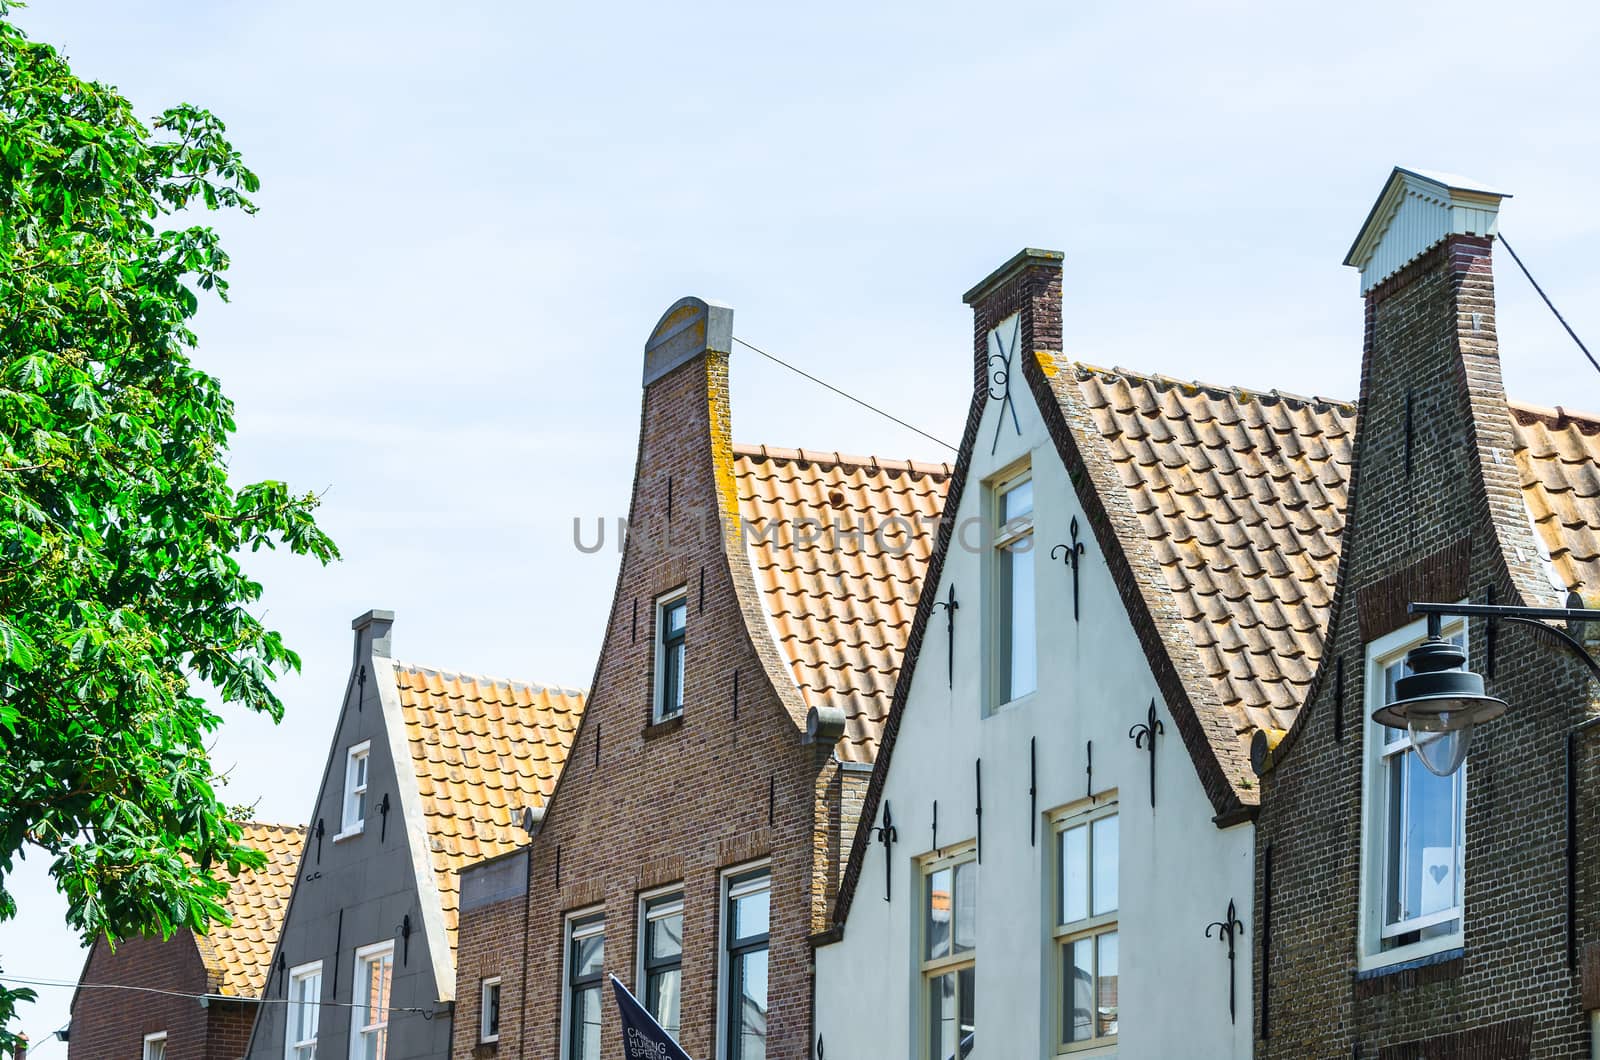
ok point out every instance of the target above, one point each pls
(1562, 635)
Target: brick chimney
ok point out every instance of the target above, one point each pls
(1435, 475)
(1029, 286)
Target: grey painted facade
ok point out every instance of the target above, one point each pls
(360, 890)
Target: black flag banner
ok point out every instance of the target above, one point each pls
(642, 1036)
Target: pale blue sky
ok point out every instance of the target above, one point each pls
(473, 213)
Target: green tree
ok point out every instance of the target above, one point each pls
(121, 596)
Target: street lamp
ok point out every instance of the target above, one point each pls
(1438, 702)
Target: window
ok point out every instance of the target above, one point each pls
(1086, 927)
(1414, 825)
(662, 955)
(672, 619)
(369, 1018)
(586, 958)
(746, 919)
(949, 953)
(1017, 657)
(489, 1010)
(305, 1012)
(355, 789)
(155, 1046)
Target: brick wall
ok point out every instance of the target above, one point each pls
(640, 806)
(1431, 494)
(112, 1024)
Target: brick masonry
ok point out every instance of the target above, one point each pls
(110, 1024)
(1434, 513)
(642, 805)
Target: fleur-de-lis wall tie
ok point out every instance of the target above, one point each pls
(950, 608)
(1072, 553)
(1144, 736)
(887, 835)
(1227, 929)
(1000, 377)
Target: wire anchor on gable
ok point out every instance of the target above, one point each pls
(1073, 553)
(1227, 928)
(1144, 736)
(950, 608)
(886, 834)
(1000, 378)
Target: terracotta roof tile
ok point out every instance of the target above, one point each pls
(1558, 458)
(840, 606)
(238, 956)
(483, 749)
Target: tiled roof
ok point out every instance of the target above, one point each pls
(840, 605)
(1558, 458)
(1241, 496)
(483, 749)
(238, 956)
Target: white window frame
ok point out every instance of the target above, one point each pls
(364, 956)
(152, 1039)
(1000, 537)
(724, 896)
(928, 968)
(571, 928)
(663, 897)
(1380, 654)
(659, 710)
(1063, 934)
(299, 974)
(357, 759)
(485, 1034)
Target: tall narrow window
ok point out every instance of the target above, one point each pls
(747, 919)
(1415, 823)
(355, 788)
(1087, 871)
(305, 1011)
(949, 954)
(1017, 659)
(489, 1010)
(586, 959)
(672, 621)
(663, 959)
(369, 1019)
(155, 1046)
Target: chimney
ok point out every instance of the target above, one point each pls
(1434, 439)
(690, 328)
(372, 634)
(1027, 287)
(20, 1050)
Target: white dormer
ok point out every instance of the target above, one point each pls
(1416, 211)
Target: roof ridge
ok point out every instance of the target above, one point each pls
(1559, 417)
(1083, 369)
(469, 675)
(837, 458)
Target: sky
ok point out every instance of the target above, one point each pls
(473, 214)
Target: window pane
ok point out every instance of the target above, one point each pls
(1074, 874)
(1078, 976)
(750, 1019)
(965, 907)
(672, 680)
(662, 994)
(937, 929)
(588, 956)
(967, 993)
(750, 914)
(677, 616)
(586, 1024)
(1105, 866)
(942, 1016)
(1016, 502)
(1019, 648)
(1106, 984)
(665, 938)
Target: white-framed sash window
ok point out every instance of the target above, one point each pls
(369, 1017)
(1087, 875)
(948, 953)
(661, 957)
(1013, 608)
(489, 1009)
(584, 979)
(355, 789)
(304, 1012)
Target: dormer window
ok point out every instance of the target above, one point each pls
(355, 789)
(672, 623)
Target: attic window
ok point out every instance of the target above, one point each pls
(355, 790)
(672, 621)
